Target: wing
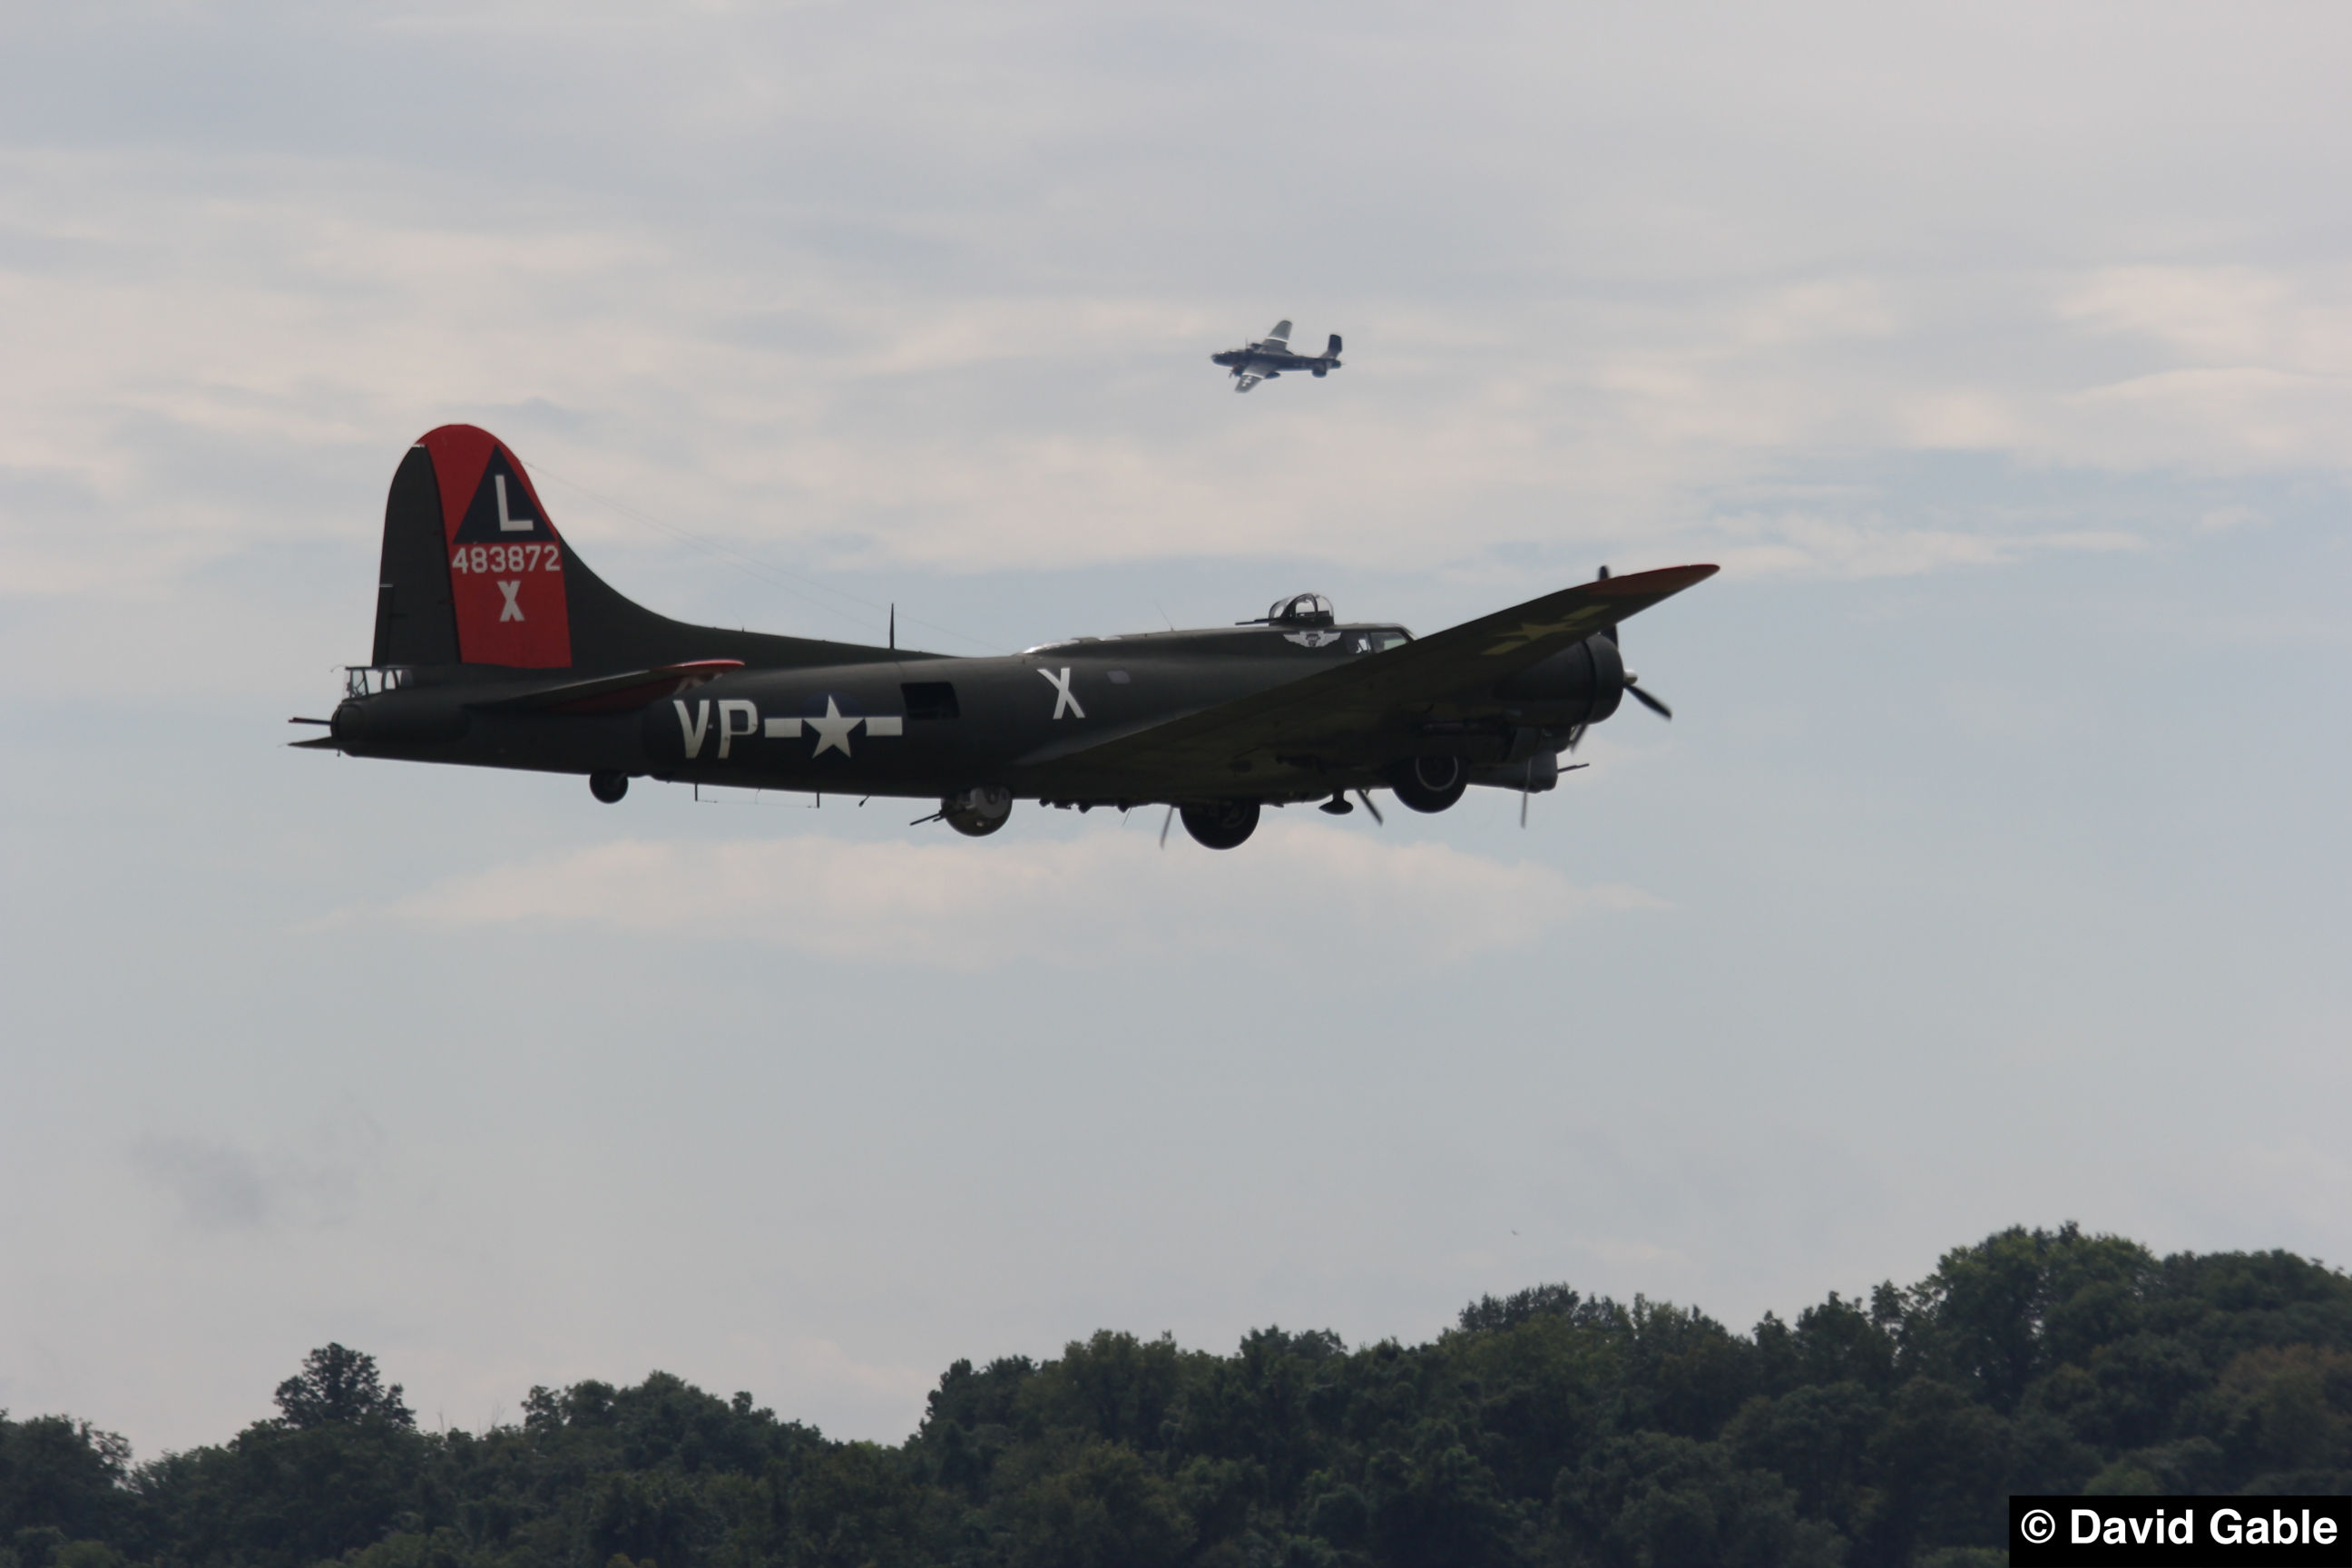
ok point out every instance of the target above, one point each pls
(1277, 340)
(1353, 711)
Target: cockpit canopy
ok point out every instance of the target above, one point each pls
(1301, 610)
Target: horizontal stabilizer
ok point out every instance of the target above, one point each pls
(617, 693)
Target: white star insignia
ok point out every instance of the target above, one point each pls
(833, 730)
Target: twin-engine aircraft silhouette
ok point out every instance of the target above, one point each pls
(496, 647)
(1270, 356)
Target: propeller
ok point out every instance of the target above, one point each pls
(1633, 686)
(1633, 682)
(1166, 822)
(1366, 797)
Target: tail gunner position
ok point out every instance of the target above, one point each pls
(496, 646)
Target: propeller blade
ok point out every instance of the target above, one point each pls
(1527, 785)
(1365, 796)
(1646, 700)
(1165, 824)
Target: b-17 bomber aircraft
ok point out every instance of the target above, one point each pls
(496, 646)
(1270, 356)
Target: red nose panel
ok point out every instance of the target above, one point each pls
(505, 564)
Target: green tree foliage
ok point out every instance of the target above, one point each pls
(340, 1387)
(60, 1475)
(1547, 1430)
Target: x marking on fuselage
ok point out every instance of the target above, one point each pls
(1065, 699)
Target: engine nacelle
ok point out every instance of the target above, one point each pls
(1582, 684)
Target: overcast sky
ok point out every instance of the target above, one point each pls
(1994, 870)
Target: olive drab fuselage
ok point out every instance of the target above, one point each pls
(924, 728)
(496, 646)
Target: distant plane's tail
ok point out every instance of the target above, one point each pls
(1331, 349)
(474, 572)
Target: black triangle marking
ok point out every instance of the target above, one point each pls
(518, 524)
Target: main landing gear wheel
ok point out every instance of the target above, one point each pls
(1430, 784)
(1222, 824)
(608, 787)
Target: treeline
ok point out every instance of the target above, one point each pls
(1546, 1428)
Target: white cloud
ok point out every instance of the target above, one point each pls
(2234, 418)
(2229, 519)
(1105, 895)
(1805, 543)
(2286, 320)
(222, 352)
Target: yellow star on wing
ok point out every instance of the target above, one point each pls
(1531, 632)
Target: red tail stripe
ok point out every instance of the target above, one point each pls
(522, 622)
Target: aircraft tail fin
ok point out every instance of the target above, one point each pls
(474, 572)
(1331, 349)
